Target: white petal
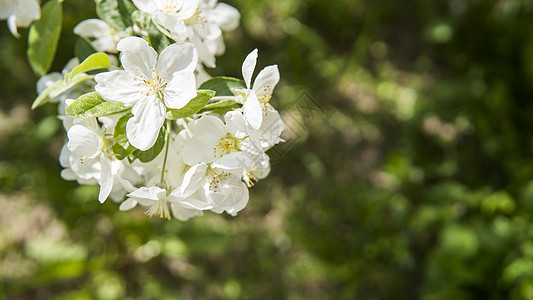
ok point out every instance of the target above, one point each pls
(119, 87)
(8, 9)
(271, 128)
(253, 113)
(197, 151)
(193, 179)
(143, 128)
(183, 214)
(83, 141)
(188, 9)
(92, 28)
(208, 129)
(137, 57)
(177, 57)
(67, 174)
(169, 21)
(204, 55)
(234, 160)
(225, 16)
(266, 81)
(127, 204)
(248, 67)
(180, 89)
(27, 11)
(12, 25)
(233, 198)
(146, 6)
(106, 179)
(236, 124)
(150, 193)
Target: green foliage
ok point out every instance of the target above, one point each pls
(93, 62)
(58, 88)
(44, 36)
(152, 153)
(83, 48)
(223, 86)
(122, 147)
(116, 13)
(194, 105)
(92, 105)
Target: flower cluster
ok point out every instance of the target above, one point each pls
(147, 123)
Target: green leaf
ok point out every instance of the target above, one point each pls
(83, 48)
(150, 154)
(116, 13)
(220, 107)
(195, 105)
(44, 96)
(126, 9)
(44, 36)
(122, 147)
(223, 86)
(158, 39)
(91, 63)
(92, 105)
(58, 88)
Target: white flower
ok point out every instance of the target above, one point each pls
(270, 131)
(159, 199)
(149, 84)
(87, 143)
(169, 14)
(19, 13)
(228, 146)
(222, 188)
(105, 37)
(256, 98)
(204, 29)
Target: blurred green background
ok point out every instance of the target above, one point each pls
(407, 171)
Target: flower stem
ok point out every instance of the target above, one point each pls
(169, 125)
(184, 124)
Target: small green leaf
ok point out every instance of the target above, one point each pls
(122, 147)
(150, 154)
(221, 107)
(83, 48)
(110, 12)
(44, 36)
(223, 86)
(92, 105)
(126, 9)
(91, 63)
(44, 96)
(195, 105)
(58, 88)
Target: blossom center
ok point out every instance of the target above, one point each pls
(225, 146)
(159, 208)
(197, 18)
(155, 85)
(170, 6)
(216, 180)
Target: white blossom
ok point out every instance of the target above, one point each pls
(170, 14)
(149, 84)
(255, 98)
(105, 37)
